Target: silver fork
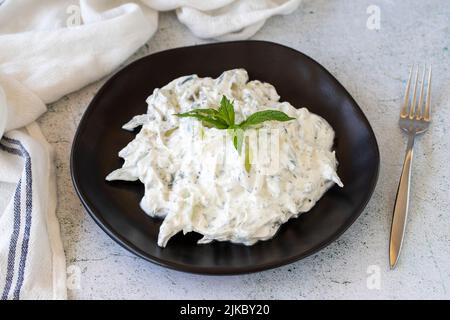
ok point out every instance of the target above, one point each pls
(415, 117)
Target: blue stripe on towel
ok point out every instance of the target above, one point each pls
(28, 215)
(13, 241)
(28, 211)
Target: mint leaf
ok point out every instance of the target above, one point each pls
(237, 136)
(209, 117)
(208, 121)
(226, 110)
(262, 116)
(204, 112)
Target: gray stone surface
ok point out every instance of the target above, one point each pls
(373, 66)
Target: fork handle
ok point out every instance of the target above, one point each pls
(401, 206)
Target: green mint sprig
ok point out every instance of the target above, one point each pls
(224, 118)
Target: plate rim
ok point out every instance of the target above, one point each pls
(126, 244)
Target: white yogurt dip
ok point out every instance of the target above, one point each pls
(196, 180)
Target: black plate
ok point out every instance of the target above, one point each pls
(298, 79)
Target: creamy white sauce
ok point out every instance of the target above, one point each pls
(196, 180)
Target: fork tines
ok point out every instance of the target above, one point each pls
(411, 107)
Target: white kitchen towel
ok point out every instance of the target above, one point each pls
(49, 48)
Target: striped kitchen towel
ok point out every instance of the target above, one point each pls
(32, 263)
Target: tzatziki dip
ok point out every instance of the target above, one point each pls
(201, 176)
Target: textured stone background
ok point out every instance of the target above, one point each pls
(373, 66)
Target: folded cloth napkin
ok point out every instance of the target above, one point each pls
(49, 48)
